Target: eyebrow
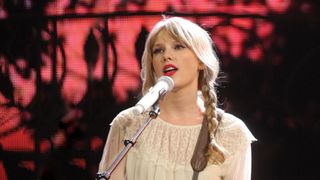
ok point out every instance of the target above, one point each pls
(157, 44)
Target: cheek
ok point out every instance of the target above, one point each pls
(156, 67)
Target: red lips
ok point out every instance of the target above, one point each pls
(169, 70)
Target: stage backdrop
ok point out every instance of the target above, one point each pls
(68, 67)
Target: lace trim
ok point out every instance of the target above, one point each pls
(164, 163)
(233, 135)
(162, 140)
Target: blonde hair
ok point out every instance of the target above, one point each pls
(200, 42)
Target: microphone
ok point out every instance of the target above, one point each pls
(163, 85)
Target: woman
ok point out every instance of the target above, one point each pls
(191, 138)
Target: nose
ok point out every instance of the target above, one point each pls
(167, 55)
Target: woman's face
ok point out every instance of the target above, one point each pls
(173, 58)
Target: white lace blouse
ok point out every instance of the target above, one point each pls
(164, 151)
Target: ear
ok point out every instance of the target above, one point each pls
(201, 66)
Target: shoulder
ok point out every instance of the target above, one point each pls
(233, 134)
(232, 123)
(126, 118)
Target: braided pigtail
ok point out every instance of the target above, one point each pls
(215, 152)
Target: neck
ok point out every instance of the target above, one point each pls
(181, 108)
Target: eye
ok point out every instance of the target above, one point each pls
(157, 50)
(179, 46)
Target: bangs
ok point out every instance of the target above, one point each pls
(179, 33)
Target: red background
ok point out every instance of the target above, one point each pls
(68, 67)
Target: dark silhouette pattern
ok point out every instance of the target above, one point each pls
(65, 74)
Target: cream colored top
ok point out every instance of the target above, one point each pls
(164, 151)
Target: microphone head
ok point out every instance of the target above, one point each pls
(163, 85)
(168, 80)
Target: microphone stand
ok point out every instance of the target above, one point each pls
(129, 143)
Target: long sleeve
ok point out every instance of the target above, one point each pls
(113, 146)
(239, 166)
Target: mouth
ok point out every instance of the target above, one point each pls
(169, 70)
